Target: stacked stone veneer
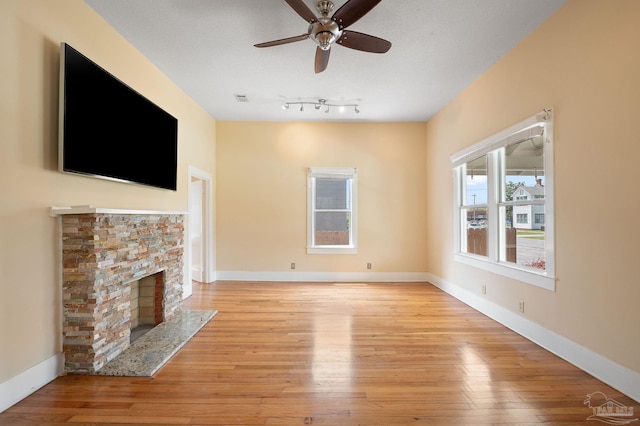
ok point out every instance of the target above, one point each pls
(102, 253)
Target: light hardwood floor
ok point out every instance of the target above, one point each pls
(332, 354)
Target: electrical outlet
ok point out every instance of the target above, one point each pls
(369, 265)
(293, 265)
(521, 306)
(484, 289)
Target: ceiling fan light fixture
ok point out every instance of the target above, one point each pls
(325, 39)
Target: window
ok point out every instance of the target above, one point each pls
(331, 212)
(503, 192)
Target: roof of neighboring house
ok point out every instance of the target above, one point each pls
(533, 190)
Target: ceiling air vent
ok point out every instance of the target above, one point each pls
(241, 98)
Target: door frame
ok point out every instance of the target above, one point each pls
(208, 229)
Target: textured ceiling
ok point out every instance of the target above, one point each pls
(439, 47)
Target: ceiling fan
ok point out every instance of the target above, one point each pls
(326, 31)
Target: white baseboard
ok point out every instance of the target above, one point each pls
(618, 377)
(322, 276)
(197, 274)
(21, 386)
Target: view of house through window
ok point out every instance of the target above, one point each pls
(502, 199)
(520, 201)
(522, 206)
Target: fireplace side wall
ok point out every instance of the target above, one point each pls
(102, 254)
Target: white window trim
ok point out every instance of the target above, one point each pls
(332, 172)
(531, 126)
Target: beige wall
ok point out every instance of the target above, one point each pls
(585, 63)
(262, 194)
(30, 269)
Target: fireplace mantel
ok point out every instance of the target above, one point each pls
(88, 209)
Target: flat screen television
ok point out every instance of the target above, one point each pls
(110, 131)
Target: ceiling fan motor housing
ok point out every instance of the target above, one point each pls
(325, 32)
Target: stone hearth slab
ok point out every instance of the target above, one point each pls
(147, 354)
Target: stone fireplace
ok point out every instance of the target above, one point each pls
(103, 252)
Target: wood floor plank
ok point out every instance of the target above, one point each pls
(332, 354)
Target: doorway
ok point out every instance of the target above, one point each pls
(200, 233)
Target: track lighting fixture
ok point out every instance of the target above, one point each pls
(320, 103)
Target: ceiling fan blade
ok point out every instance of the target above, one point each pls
(353, 10)
(283, 41)
(302, 10)
(364, 42)
(322, 59)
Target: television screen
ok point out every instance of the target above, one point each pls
(110, 131)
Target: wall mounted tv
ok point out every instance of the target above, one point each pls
(110, 131)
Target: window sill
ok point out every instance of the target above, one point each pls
(332, 250)
(535, 279)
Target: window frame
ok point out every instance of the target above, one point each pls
(332, 173)
(493, 148)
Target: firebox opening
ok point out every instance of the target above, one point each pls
(146, 305)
